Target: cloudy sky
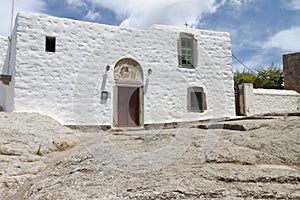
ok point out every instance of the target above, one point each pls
(261, 30)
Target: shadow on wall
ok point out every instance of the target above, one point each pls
(6, 80)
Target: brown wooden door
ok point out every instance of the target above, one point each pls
(128, 106)
(237, 101)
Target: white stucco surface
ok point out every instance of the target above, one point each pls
(264, 101)
(276, 101)
(275, 92)
(3, 52)
(67, 84)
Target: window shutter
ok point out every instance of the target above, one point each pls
(195, 53)
(179, 51)
(194, 101)
(187, 50)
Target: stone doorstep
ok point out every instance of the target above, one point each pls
(219, 123)
(170, 125)
(236, 127)
(89, 128)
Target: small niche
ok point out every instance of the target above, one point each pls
(50, 43)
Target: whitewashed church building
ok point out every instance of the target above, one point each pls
(83, 73)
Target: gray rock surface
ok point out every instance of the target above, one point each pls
(41, 159)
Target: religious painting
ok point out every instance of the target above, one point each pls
(128, 71)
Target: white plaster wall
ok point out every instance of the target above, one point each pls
(8, 68)
(66, 84)
(3, 53)
(276, 101)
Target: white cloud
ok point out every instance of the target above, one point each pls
(36, 6)
(137, 13)
(238, 2)
(92, 15)
(292, 4)
(132, 13)
(172, 12)
(287, 40)
(76, 3)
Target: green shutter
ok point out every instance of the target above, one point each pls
(187, 52)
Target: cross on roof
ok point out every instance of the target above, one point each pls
(186, 24)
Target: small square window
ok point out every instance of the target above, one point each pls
(50, 43)
(196, 100)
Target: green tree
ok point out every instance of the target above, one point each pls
(244, 77)
(269, 78)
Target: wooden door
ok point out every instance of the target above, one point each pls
(128, 107)
(237, 101)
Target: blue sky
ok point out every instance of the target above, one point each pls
(261, 30)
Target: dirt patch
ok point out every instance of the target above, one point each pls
(64, 145)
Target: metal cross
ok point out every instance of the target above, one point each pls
(186, 24)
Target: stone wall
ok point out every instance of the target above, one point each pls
(266, 101)
(66, 84)
(291, 69)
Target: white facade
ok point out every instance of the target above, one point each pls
(67, 84)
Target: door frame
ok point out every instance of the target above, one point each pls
(115, 104)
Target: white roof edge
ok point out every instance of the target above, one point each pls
(3, 38)
(183, 29)
(187, 29)
(276, 92)
(22, 13)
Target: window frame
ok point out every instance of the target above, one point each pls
(195, 90)
(182, 45)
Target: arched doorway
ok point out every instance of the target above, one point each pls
(128, 94)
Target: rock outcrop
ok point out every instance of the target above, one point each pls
(41, 159)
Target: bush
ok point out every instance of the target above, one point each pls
(269, 78)
(244, 77)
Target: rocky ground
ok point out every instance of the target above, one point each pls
(41, 159)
